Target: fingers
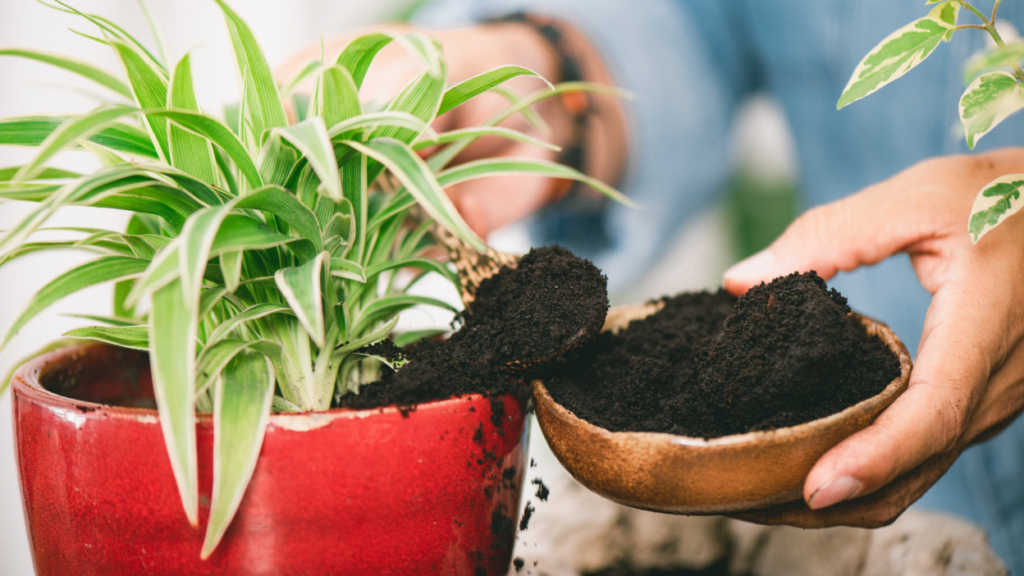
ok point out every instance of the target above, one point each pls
(872, 511)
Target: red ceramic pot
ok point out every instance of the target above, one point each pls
(341, 492)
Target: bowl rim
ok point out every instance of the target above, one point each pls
(774, 436)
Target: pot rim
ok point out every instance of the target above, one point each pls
(762, 437)
(25, 381)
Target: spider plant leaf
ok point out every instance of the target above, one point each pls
(279, 404)
(421, 184)
(80, 67)
(413, 336)
(161, 271)
(213, 359)
(359, 54)
(989, 100)
(115, 321)
(311, 139)
(150, 90)
(301, 288)
(196, 240)
(348, 269)
(370, 338)
(474, 133)
(338, 96)
(33, 131)
(241, 409)
(231, 268)
(310, 70)
(189, 152)
(421, 98)
(293, 360)
(505, 166)
(135, 337)
(392, 305)
(106, 156)
(391, 119)
(996, 202)
(287, 207)
(899, 52)
(529, 114)
(423, 264)
(113, 30)
(6, 174)
(105, 269)
(172, 337)
(264, 108)
(251, 313)
(215, 131)
(473, 87)
(74, 129)
(276, 160)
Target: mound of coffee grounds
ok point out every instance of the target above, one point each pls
(786, 353)
(539, 307)
(519, 313)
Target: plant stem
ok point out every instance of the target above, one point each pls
(976, 12)
(995, 8)
(990, 27)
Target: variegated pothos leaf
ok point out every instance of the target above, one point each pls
(987, 102)
(899, 52)
(996, 202)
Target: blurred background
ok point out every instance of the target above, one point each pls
(758, 205)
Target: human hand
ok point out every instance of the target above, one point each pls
(968, 381)
(488, 204)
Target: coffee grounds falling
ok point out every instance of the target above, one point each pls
(785, 354)
(519, 314)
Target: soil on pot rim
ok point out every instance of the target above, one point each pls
(519, 313)
(708, 365)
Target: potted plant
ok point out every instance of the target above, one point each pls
(258, 264)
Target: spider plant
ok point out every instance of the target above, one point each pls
(259, 259)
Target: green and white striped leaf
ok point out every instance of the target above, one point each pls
(375, 336)
(989, 100)
(343, 268)
(301, 288)
(311, 139)
(106, 269)
(218, 133)
(34, 130)
(472, 134)
(196, 240)
(150, 89)
(420, 182)
(287, 207)
(263, 106)
(189, 152)
(359, 54)
(251, 313)
(992, 60)
(391, 305)
(231, 268)
(337, 96)
(473, 87)
(900, 52)
(996, 202)
(379, 119)
(80, 67)
(135, 337)
(241, 410)
(418, 263)
(507, 166)
(172, 337)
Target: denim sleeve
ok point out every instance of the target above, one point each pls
(686, 74)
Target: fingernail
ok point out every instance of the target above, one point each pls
(835, 491)
(753, 269)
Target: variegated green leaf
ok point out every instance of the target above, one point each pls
(231, 268)
(993, 59)
(251, 313)
(301, 288)
(172, 354)
(106, 269)
(374, 336)
(242, 398)
(337, 97)
(473, 133)
(215, 131)
(80, 67)
(996, 202)
(987, 102)
(196, 240)
(343, 268)
(420, 182)
(136, 337)
(189, 152)
(34, 130)
(900, 52)
(311, 139)
(473, 87)
(150, 90)
(391, 305)
(264, 109)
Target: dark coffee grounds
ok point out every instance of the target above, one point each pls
(786, 354)
(519, 313)
(720, 568)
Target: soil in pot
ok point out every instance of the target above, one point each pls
(707, 365)
(525, 312)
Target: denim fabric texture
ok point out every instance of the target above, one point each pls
(690, 64)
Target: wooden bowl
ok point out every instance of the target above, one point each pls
(682, 475)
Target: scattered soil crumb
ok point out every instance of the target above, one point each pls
(528, 511)
(518, 563)
(542, 490)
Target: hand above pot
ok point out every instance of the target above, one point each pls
(489, 204)
(968, 380)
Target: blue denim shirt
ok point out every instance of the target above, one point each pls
(690, 65)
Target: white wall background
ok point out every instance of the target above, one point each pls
(695, 261)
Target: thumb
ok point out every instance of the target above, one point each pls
(858, 230)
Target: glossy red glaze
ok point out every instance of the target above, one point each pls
(341, 492)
